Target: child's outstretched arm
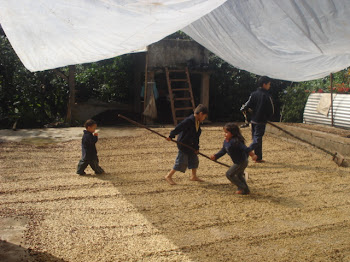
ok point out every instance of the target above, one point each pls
(249, 151)
(219, 154)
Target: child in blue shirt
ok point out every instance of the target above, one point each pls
(234, 146)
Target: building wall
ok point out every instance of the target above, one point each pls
(174, 53)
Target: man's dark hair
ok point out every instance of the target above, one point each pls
(89, 122)
(201, 109)
(263, 80)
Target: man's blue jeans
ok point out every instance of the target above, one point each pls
(258, 131)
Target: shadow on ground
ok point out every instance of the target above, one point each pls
(14, 253)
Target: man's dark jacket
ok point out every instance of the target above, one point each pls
(187, 134)
(260, 102)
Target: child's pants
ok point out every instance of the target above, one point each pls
(93, 163)
(236, 175)
(186, 160)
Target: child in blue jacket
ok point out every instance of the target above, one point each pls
(234, 146)
(88, 150)
(189, 131)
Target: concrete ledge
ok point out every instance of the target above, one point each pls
(330, 142)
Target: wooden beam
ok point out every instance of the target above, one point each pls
(71, 85)
(205, 89)
(145, 84)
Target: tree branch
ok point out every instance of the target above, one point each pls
(61, 74)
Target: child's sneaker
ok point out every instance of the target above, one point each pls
(82, 174)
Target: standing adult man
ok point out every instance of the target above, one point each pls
(260, 104)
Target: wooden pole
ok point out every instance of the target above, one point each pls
(205, 89)
(155, 132)
(332, 115)
(71, 85)
(145, 85)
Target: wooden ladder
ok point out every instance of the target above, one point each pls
(180, 94)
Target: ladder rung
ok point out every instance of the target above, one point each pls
(183, 108)
(180, 89)
(178, 80)
(182, 98)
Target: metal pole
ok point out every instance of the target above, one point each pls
(332, 116)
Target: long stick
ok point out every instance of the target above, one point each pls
(155, 132)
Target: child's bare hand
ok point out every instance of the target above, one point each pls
(254, 157)
(212, 157)
(196, 152)
(168, 138)
(95, 134)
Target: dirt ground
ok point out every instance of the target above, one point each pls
(298, 210)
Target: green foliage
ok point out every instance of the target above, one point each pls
(32, 99)
(293, 99)
(107, 80)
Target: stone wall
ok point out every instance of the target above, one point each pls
(331, 142)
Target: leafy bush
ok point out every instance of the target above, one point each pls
(108, 80)
(293, 99)
(32, 99)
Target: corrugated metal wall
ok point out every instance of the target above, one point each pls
(341, 109)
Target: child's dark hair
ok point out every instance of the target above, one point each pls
(235, 131)
(263, 80)
(201, 109)
(89, 122)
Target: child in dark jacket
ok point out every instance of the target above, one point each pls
(189, 131)
(88, 148)
(234, 146)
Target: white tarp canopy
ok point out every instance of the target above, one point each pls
(54, 33)
(293, 40)
(286, 39)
